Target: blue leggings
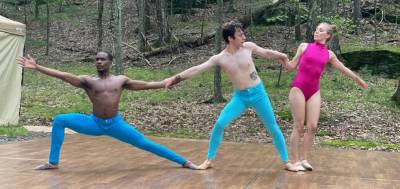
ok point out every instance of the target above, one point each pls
(115, 127)
(255, 97)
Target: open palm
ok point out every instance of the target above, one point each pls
(27, 62)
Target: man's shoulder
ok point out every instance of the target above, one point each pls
(249, 44)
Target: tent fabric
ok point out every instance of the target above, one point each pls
(12, 39)
(12, 27)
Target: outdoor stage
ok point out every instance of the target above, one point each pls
(102, 162)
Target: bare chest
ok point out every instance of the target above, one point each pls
(105, 87)
(241, 61)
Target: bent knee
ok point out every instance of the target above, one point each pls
(312, 128)
(299, 130)
(59, 119)
(299, 123)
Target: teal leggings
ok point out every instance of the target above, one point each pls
(255, 97)
(115, 127)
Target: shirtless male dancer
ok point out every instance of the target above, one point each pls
(104, 92)
(236, 62)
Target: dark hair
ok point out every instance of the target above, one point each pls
(229, 28)
(109, 55)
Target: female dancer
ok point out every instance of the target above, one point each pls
(304, 97)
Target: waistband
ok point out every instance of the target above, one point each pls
(250, 90)
(107, 121)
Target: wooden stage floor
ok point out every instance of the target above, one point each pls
(102, 162)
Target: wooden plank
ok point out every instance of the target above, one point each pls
(103, 162)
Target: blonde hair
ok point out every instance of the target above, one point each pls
(331, 30)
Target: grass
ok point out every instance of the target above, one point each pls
(325, 133)
(354, 45)
(358, 143)
(13, 131)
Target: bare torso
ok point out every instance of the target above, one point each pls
(105, 94)
(239, 67)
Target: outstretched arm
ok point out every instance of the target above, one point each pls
(142, 85)
(30, 63)
(195, 70)
(267, 53)
(295, 61)
(346, 71)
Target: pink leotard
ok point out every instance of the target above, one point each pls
(311, 66)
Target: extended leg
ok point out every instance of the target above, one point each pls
(230, 112)
(80, 123)
(126, 133)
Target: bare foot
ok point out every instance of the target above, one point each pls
(46, 166)
(190, 165)
(205, 165)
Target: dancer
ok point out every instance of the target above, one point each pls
(236, 61)
(104, 91)
(304, 97)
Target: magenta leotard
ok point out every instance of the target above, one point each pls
(311, 66)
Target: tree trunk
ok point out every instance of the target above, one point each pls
(356, 13)
(313, 12)
(330, 11)
(118, 37)
(37, 3)
(375, 25)
(162, 22)
(297, 29)
(100, 24)
(48, 27)
(143, 45)
(396, 96)
(112, 17)
(202, 20)
(25, 14)
(217, 73)
(146, 12)
(61, 6)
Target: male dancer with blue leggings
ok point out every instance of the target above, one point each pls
(104, 92)
(236, 61)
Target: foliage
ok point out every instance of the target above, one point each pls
(287, 12)
(343, 25)
(360, 143)
(186, 6)
(13, 131)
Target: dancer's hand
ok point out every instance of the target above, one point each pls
(27, 62)
(172, 81)
(362, 83)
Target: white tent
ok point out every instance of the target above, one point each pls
(12, 39)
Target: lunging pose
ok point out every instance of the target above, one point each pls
(104, 92)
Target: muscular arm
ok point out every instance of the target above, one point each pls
(346, 71)
(267, 53)
(30, 63)
(195, 70)
(295, 61)
(142, 85)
